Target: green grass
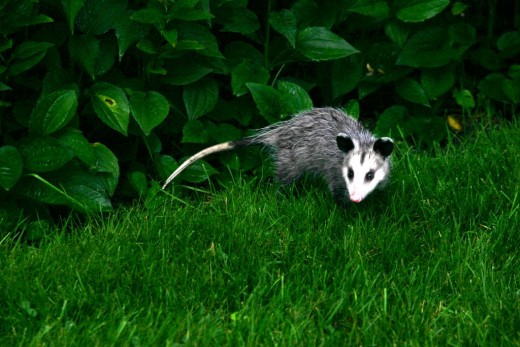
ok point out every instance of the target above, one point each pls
(433, 260)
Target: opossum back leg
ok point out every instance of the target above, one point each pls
(286, 171)
(285, 174)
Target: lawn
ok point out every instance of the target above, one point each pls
(432, 260)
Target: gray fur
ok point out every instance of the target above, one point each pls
(307, 143)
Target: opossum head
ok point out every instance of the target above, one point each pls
(366, 166)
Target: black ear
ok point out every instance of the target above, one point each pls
(384, 146)
(344, 142)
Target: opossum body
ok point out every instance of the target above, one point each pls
(321, 141)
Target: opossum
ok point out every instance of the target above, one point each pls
(324, 142)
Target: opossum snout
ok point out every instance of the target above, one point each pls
(357, 198)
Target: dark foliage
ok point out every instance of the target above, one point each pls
(100, 99)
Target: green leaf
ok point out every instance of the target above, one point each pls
(238, 52)
(44, 154)
(397, 32)
(317, 43)
(107, 56)
(284, 22)
(147, 46)
(11, 165)
(165, 165)
(316, 13)
(391, 120)
(185, 71)
(73, 186)
(111, 106)
(419, 10)
(514, 72)
(71, 9)
(464, 98)
(148, 109)
(239, 20)
(28, 49)
(201, 36)
(366, 88)
(458, 8)
(185, 4)
(189, 45)
(149, 16)
(412, 91)
(371, 8)
(200, 97)
(153, 144)
(231, 161)
(461, 37)
(194, 131)
(352, 108)
(247, 72)
(39, 189)
(27, 54)
(30, 20)
(86, 191)
(225, 132)
(268, 100)
(4, 87)
(74, 140)
(138, 181)
(155, 69)
(106, 160)
(97, 17)
(437, 46)
(85, 49)
(128, 32)
(171, 36)
(345, 75)
(295, 98)
(427, 129)
(199, 171)
(53, 111)
(6, 44)
(107, 165)
(191, 14)
(509, 44)
(486, 58)
(497, 86)
(437, 81)
(427, 48)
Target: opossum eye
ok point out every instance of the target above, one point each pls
(350, 174)
(369, 176)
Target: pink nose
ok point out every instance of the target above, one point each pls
(355, 198)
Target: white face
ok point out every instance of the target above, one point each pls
(362, 175)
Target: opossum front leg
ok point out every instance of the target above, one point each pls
(339, 194)
(337, 188)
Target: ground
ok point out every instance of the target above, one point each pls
(432, 260)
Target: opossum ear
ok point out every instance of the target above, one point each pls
(344, 142)
(384, 146)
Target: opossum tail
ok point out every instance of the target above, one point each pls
(221, 147)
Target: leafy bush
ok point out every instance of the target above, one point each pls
(99, 97)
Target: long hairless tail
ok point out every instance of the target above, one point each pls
(221, 147)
